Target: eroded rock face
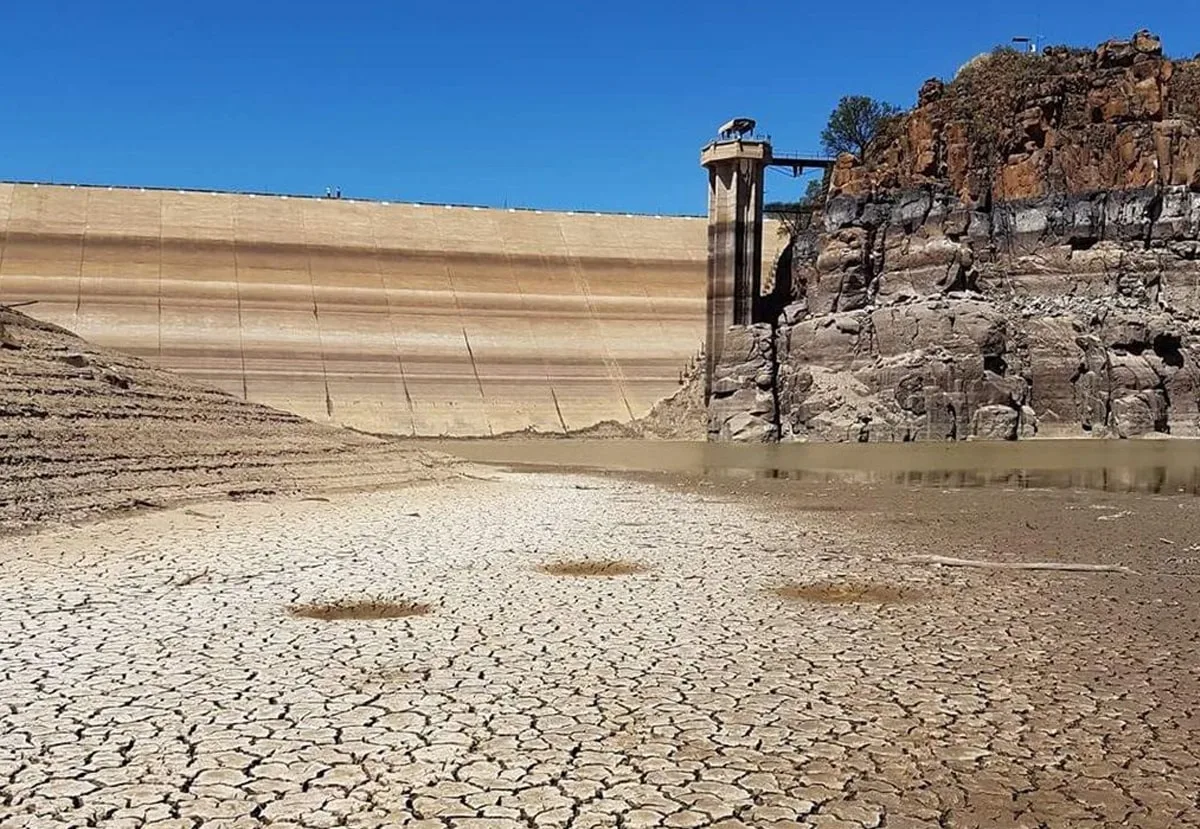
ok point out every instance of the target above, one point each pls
(742, 398)
(1054, 290)
(1075, 314)
(913, 371)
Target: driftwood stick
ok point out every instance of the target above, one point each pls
(192, 579)
(1015, 565)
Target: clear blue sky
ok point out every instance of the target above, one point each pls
(587, 104)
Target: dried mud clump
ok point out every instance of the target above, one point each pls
(365, 609)
(585, 567)
(831, 593)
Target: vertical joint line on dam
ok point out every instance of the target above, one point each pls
(312, 285)
(237, 291)
(159, 289)
(558, 409)
(478, 380)
(391, 317)
(611, 367)
(83, 237)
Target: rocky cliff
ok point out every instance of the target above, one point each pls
(1018, 256)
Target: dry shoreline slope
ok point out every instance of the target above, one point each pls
(86, 431)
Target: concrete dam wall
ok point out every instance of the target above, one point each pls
(409, 319)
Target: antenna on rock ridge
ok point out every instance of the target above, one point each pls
(1030, 44)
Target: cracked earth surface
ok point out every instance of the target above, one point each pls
(151, 675)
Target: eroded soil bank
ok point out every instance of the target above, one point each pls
(751, 653)
(86, 431)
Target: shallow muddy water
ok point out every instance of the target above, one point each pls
(1158, 466)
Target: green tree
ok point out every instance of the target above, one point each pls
(854, 123)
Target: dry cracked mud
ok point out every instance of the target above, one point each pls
(152, 676)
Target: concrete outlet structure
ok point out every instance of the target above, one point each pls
(735, 238)
(740, 363)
